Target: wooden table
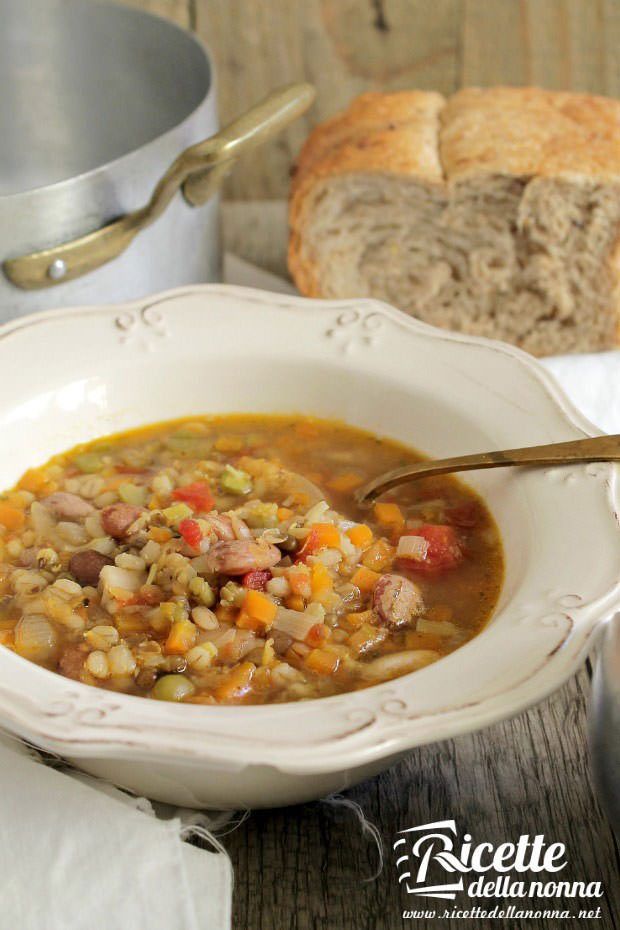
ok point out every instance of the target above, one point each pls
(305, 867)
(346, 47)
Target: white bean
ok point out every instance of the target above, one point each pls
(397, 663)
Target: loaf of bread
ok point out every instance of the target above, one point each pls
(495, 212)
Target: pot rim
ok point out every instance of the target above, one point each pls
(91, 174)
(385, 720)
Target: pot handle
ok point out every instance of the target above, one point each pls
(198, 172)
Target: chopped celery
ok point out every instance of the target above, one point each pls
(88, 462)
(235, 481)
(232, 594)
(202, 590)
(260, 515)
(173, 515)
(133, 494)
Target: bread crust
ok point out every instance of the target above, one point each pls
(521, 131)
(393, 133)
(530, 132)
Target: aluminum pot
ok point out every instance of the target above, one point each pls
(109, 165)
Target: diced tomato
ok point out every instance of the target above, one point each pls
(310, 546)
(466, 514)
(190, 531)
(256, 580)
(197, 495)
(444, 550)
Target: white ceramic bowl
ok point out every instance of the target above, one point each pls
(73, 375)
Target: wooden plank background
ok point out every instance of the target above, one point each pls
(348, 46)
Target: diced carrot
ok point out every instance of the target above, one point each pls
(357, 618)
(365, 579)
(284, 513)
(322, 581)
(160, 534)
(379, 556)
(295, 602)
(345, 482)
(11, 517)
(237, 683)
(181, 637)
(34, 480)
(299, 581)
(321, 536)
(389, 514)
(246, 621)
(328, 535)
(360, 535)
(322, 662)
(259, 606)
(318, 634)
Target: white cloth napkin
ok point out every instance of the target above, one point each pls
(77, 854)
(592, 382)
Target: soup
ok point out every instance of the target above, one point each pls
(223, 560)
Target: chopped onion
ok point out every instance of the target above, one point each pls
(315, 513)
(219, 637)
(295, 623)
(115, 583)
(412, 547)
(437, 627)
(36, 639)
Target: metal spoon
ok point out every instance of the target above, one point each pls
(593, 449)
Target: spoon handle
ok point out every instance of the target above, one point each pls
(592, 449)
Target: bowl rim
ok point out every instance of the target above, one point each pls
(82, 721)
